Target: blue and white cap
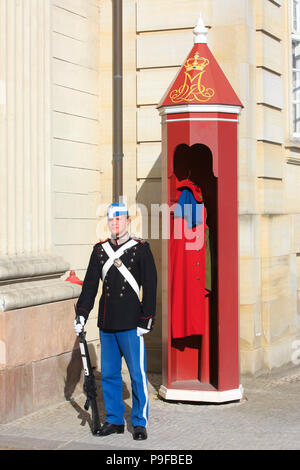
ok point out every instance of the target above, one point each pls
(116, 209)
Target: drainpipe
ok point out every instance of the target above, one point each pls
(117, 101)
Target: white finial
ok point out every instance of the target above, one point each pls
(200, 32)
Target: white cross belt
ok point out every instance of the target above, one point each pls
(114, 258)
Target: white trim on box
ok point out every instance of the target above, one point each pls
(212, 396)
(201, 119)
(200, 108)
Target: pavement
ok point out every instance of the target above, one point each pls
(267, 417)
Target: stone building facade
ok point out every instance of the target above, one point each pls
(56, 166)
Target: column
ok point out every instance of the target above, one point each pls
(25, 159)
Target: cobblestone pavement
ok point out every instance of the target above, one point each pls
(268, 417)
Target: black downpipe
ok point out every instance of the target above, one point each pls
(117, 100)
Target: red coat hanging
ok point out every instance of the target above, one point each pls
(188, 262)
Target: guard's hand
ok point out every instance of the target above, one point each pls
(141, 331)
(79, 326)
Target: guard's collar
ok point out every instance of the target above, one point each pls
(119, 240)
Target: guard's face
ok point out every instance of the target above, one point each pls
(118, 225)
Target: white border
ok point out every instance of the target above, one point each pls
(200, 108)
(202, 119)
(212, 396)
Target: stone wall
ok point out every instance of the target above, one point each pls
(40, 360)
(76, 119)
(49, 182)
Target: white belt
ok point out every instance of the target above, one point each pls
(114, 258)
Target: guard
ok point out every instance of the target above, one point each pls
(125, 264)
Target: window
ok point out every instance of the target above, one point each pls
(296, 67)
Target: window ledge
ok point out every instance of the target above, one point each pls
(293, 144)
(293, 151)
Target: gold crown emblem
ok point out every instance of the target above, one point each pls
(196, 63)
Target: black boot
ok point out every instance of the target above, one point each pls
(139, 433)
(110, 428)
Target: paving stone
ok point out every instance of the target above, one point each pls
(266, 418)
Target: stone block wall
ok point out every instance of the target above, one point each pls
(40, 361)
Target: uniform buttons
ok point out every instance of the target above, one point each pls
(198, 278)
(123, 288)
(129, 268)
(108, 294)
(198, 264)
(132, 260)
(121, 295)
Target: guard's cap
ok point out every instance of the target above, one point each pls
(115, 209)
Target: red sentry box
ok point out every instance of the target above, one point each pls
(201, 108)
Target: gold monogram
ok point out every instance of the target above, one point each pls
(192, 88)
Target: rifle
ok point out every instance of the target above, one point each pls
(89, 386)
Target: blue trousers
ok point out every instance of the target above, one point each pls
(132, 347)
